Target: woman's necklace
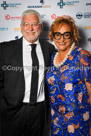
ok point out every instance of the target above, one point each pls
(61, 63)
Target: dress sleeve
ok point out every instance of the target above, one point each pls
(85, 65)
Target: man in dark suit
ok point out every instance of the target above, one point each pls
(20, 113)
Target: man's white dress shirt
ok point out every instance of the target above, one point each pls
(27, 67)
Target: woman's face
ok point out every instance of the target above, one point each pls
(63, 37)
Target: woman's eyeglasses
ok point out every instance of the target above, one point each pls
(66, 35)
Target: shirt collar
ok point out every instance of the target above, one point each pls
(26, 43)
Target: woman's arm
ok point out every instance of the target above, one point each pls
(88, 85)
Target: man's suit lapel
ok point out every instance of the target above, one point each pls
(44, 53)
(19, 52)
(19, 57)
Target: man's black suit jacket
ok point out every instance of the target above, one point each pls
(12, 84)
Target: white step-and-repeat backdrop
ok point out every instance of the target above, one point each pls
(11, 10)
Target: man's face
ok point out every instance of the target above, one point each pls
(31, 27)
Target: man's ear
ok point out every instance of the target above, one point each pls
(41, 27)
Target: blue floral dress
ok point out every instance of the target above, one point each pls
(69, 99)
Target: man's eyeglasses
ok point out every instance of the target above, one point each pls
(32, 24)
(66, 35)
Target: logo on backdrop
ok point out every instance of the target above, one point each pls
(8, 17)
(54, 16)
(87, 27)
(89, 40)
(41, 1)
(3, 28)
(17, 29)
(16, 37)
(4, 5)
(45, 28)
(43, 15)
(42, 5)
(88, 4)
(61, 3)
(81, 15)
